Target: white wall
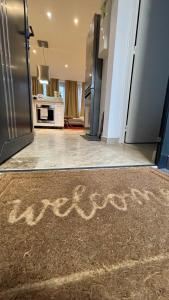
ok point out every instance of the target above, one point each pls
(118, 66)
(108, 70)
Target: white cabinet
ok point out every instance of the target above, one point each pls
(59, 115)
(48, 113)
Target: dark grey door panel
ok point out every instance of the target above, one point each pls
(16, 27)
(162, 159)
(15, 97)
(4, 126)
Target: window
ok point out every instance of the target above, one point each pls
(62, 89)
(44, 89)
(79, 96)
(62, 92)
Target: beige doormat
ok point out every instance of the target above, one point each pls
(84, 235)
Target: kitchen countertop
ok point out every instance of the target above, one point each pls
(49, 100)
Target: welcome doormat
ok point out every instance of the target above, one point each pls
(100, 234)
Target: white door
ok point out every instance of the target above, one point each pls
(150, 73)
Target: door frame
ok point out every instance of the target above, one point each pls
(129, 66)
(28, 63)
(162, 158)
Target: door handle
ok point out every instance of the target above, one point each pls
(30, 33)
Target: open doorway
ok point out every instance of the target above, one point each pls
(134, 90)
(60, 44)
(65, 94)
(150, 71)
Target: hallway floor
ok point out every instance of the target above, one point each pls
(57, 149)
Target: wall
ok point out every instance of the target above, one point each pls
(108, 70)
(118, 66)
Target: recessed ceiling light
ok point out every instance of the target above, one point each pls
(34, 51)
(66, 66)
(49, 14)
(76, 21)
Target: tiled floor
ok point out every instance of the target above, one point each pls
(53, 148)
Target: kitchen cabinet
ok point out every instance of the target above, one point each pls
(48, 113)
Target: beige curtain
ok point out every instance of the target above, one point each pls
(52, 86)
(71, 99)
(37, 88)
(83, 100)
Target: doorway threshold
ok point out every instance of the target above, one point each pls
(77, 168)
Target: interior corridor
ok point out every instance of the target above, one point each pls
(57, 149)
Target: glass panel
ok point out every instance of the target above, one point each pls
(44, 89)
(79, 96)
(62, 90)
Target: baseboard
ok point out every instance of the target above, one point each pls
(109, 140)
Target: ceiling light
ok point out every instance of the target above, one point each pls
(49, 14)
(76, 21)
(34, 51)
(66, 66)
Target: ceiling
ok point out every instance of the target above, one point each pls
(67, 42)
